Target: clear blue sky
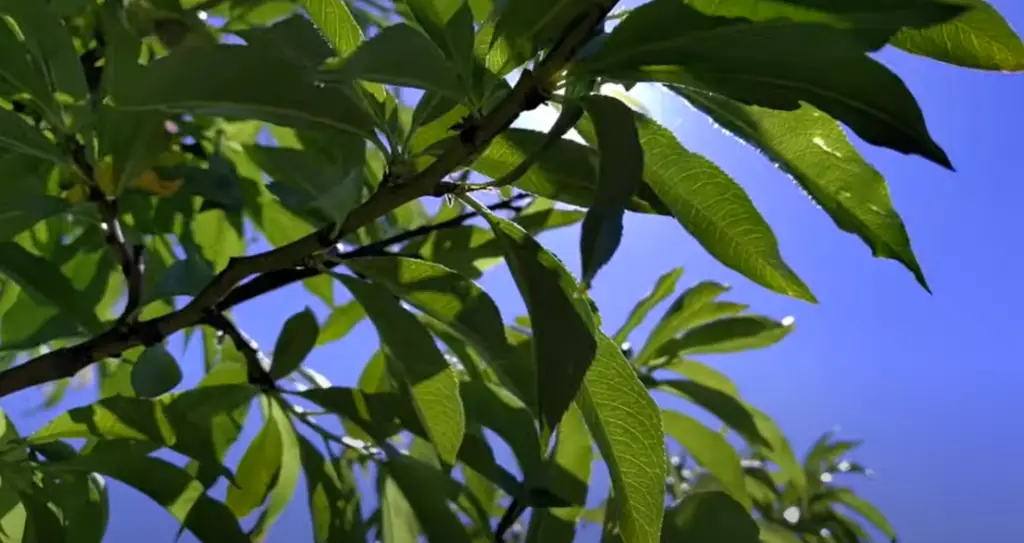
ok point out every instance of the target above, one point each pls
(927, 381)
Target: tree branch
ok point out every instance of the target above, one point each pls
(530, 91)
(256, 363)
(276, 279)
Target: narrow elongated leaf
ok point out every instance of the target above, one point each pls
(243, 82)
(446, 296)
(45, 282)
(287, 477)
(397, 519)
(979, 38)
(695, 306)
(166, 484)
(863, 508)
(715, 211)
(51, 46)
(432, 383)
(709, 517)
(17, 135)
(568, 477)
(297, 339)
(400, 55)
(663, 288)
(256, 471)
(449, 23)
(155, 372)
(812, 149)
(499, 410)
(728, 335)
(564, 345)
(776, 64)
(433, 514)
(19, 76)
(626, 424)
(711, 451)
(19, 212)
(620, 176)
(335, 22)
(333, 500)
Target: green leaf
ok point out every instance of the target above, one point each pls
(335, 22)
(224, 427)
(568, 477)
(324, 187)
(19, 212)
(155, 372)
(133, 139)
(500, 411)
(333, 498)
(181, 422)
(815, 152)
(431, 509)
(83, 499)
(398, 521)
(863, 508)
(256, 471)
(45, 283)
(664, 287)
(728, 335)
(166, 484)
(695, 306)
(287, 477)
(400, 55)
(711, 451)
(51, 47)
(565, 172)
(671, 42)
(17, 135)
(563, 342)
(626, 424)
(18, 75)
(709, 517)
(715, 211)
(449, 23)
(527, 26)
(243, 82)
(620, 176)
(446, 296)
(297, 339)
(433, 387)
(979, 38)
(340, 322)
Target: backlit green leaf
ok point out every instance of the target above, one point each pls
(711, 451)
(568, 477)
(243, 82)
(980, 38)
(709, 517)
(813, 149)
(563, 343)
(620, 176)
(432, 384)
(19, 212)
(715, 211)
(296, 341)
(431, 509)
(397, 519)
(45, 282)
(728, 335)
(155, 372)
(670, 42)
(287, 477)
(626, 424)
(17, 135)
(340, 322)
(663, 288)
(333, 499)
(256, 471)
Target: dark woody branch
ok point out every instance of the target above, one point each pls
(531, 90)
(256, 363)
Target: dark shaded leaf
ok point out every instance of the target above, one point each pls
(863, 508)
(813, 149)
(431, 509)
(433, 387)
(728, 335)
(568, 476)
(563, 341)
(19, 212)
(333, 498)
(620, 176)
(709, 517)
(155, 372)
(776, 64)
(244, 82)
(296, 341)
(44, 282)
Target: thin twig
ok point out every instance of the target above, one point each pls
(530, 91)
(256, 363)
(276, 279)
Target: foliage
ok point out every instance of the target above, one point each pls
(146, 143)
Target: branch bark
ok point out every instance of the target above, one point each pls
(530, 91)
